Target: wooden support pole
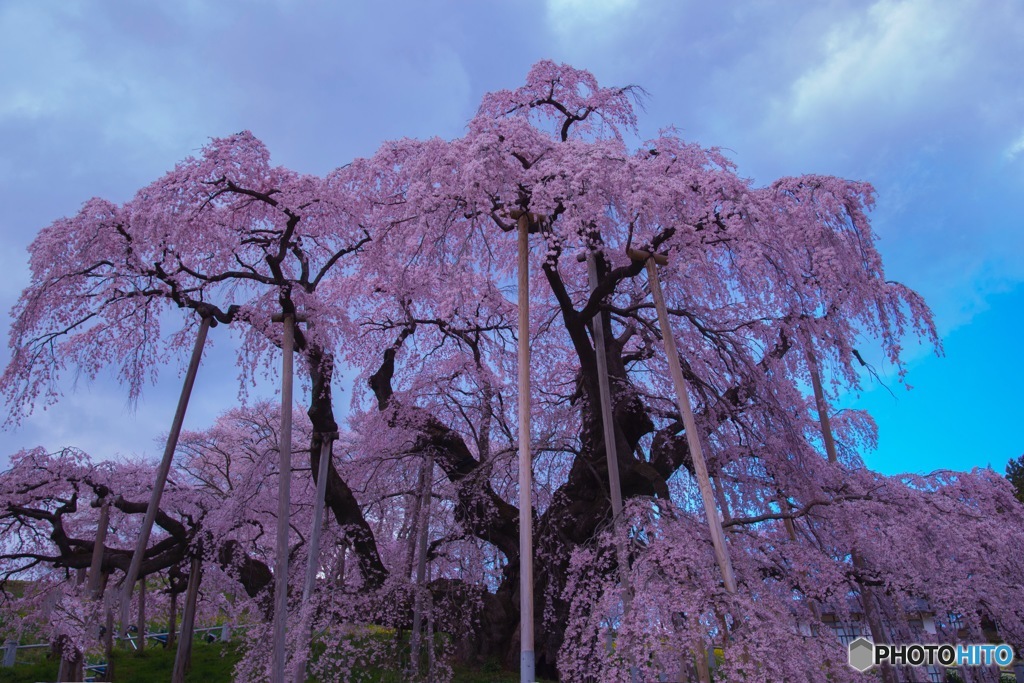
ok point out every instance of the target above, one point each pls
(95, 587)
(820, 404)
(183, 655)
(313, 563)
(161, 472)
(71, 663)
(283, 504)
(703, 667)
(422, 536)
(108, 638)
(431, 656)
(526, 654)
(141, 626)
(610, 449)
(607, 418)
(172, 621)
(866, 594)
(692, 439)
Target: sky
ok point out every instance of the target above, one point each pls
(922, 98)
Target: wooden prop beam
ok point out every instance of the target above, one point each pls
(700, 467)
(141, 626)
(821, 404)
(867, 594)
(313, 562)
(183, 655)
(610, 448)
(611, 452)
(526, 653)
(95, 587)
(423, 533)
(161, 473)
(283, 503)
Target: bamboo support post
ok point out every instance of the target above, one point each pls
(162, 471)
(692, 439)
(283, 502)
(526, 653)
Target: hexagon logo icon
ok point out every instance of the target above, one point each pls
(862, 654)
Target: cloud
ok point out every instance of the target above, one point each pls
(587, 20)
(1015, 148)
(923, 72)
(78, 65)
(894, 54)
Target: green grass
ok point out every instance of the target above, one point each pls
(211, 663)
(30, 673)
(214, 663)
(154, 664)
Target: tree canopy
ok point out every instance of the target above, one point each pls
(403, 264)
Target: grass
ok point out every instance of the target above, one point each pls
(30, 673)
(214, 663)
(210, 664)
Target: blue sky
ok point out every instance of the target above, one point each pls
(923, 98)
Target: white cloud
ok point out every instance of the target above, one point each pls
(570, 17)
(1015, 148)
(890, 56)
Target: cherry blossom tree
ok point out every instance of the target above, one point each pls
(404, 266)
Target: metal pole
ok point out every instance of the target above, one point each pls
(96, 567)
(314, 545)
(161, 472)
(526, 655)
(283, 503)
(693, 441)
(183, 655)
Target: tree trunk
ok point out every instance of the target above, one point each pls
(338, 496)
